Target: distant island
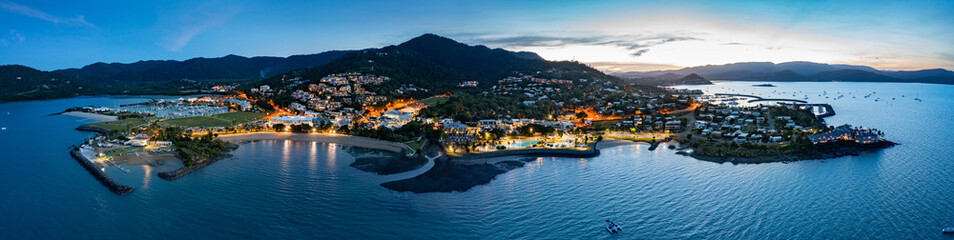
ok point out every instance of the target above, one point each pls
(798, 72)
(764, 85)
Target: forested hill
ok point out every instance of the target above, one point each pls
(149, 77)
(20, 83)
(440, 63)
(222, 68)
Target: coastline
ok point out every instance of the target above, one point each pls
(841, 152)
(182, 171)
(347, 140)
(93, 116)
(455, 174)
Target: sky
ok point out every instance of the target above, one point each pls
(608, 35)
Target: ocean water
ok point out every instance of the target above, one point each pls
(287, 189)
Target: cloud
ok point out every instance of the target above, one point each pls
(631, 66)
(638, 44)
(79, 20)
(639, 52)
(189, 23)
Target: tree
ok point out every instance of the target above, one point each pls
(279, 127)
(581, 115)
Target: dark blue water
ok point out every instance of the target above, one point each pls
(286, 189)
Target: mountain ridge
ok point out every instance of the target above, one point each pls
(798, 71)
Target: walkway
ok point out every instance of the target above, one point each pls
(413, 173)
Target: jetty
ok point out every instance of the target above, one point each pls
(106, 180)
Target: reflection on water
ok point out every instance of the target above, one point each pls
(277, 189)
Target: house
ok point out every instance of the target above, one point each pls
(673, 125)
(867, 138)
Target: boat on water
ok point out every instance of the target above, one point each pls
(612, 227)
(949, 230)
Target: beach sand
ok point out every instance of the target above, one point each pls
(355, 141)
(94, 116)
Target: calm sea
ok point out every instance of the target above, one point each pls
(286, 189)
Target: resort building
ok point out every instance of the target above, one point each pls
(455, 128)
(288, 120)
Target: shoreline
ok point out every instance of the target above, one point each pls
(842, 152)
(456, 174)
(347, 140)
(93, 116)
(182, 171)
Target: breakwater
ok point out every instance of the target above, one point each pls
(88, 128)
(173, 175)
(106, 180)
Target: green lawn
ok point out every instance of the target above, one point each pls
(120, 125)
(217, 120)
(240, 117)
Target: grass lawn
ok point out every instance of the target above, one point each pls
(416, 145)
(216, 120)
(240, 117)
(120, 125)
(434, 101)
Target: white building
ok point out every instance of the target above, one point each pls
(289, 120)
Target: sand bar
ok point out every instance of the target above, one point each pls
(94, 116)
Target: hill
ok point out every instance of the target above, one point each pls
(19, 82)
(669, 79)
(800, 71)
(226, 67)
(439, 63)
(149, 77)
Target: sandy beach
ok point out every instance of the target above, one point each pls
(94, 116)
(347, 140)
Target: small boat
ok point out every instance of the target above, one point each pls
(949, 230)
(612, 227)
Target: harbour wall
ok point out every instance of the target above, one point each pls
(106, 180)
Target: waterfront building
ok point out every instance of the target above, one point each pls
(289, 120)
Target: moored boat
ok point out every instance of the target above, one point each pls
(949, 230)
(612, 227)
